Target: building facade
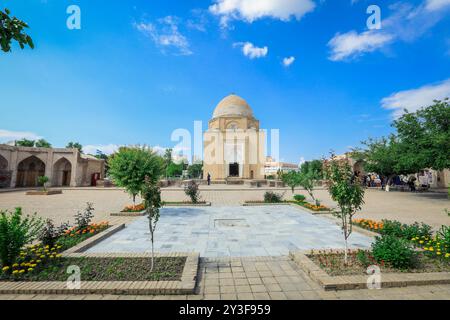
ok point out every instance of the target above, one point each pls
(272, 167)
(234, 143)
(21, 166)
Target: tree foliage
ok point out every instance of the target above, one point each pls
(195, 170)
(291, 179)
(25, 143)
(42, 143)
(13, 29)
(75, 145)
(346, 191)
(151, 194)
(130, 166)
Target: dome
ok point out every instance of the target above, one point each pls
(233, 106)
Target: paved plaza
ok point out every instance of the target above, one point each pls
(232, 231)
(245, 277)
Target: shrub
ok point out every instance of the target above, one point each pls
(299, 198)
(83, 219)
(50, 233)
(363, 258)
(272, 197)
(16, 231)
(392, 228)
(192, 191)
(416, 230)
(42, 180)
(394, 251)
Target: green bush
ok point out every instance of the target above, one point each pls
(395, 252)
(444, 237)
(50, 233)
(272, 197)
(16, 231)
(192, 191)
(299, 198)
(83, 219)
(397, 229)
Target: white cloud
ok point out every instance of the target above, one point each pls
(8, 136)
(434, 5)
(288, 61)
(251, 10)
(405, 23)
(414, 99)
(251, 51)
(351, 44)
(166, 35)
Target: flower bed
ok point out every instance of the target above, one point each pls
(75, 235)
(313, 207)
(108, 269)
(358, 261)
(134, 208)
(368, 224)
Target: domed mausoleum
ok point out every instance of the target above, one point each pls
(233, 143)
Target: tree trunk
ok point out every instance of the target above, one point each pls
(346, 252)
(153, 257)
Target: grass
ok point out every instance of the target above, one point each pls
(110, 269)
(333, 264)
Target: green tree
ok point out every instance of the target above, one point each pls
(75, 145)
(425, 137)
(103, 156)
(42, 180)
(310, 172)
(348, 193)
(25, 143)
(13, 29)
(42, 143)
(175, 169)
(151, 194)
(130, 166)
(195, 170)
(291, 179)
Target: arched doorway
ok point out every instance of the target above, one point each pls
(5, 174)
(28, 172)
(62, 172)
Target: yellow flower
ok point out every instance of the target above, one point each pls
(59, 255)
(431, 249)
(42, 257)
(438, 253)
(30, 269)
(5, 269)
(421, 241)
(38, 261)
(15, 271)
(15, 265)
(22, 271)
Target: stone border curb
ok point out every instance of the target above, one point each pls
(187, 204)
(262, 204)
(128, 214)
(92, 241)
(185, 286)
(43, 193)
(388, 280)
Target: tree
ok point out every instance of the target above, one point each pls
(25, 143)
(174, 169)
(42, 180)
(168, 157)
(130, 166)
(425, 137)
(195, 170)
(42, 143)
(75, 145)
(151, 194)
(292, 179)
(310, 172)
(13, 29)
(382, 156)
(347, 192)
(103, 156)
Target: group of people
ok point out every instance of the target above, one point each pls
(373, 180)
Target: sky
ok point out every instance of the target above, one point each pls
(326, 73)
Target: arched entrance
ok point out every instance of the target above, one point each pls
(28, 172)
(5, 174)
(62, 172)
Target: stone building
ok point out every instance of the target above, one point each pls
(21, 167)
(234, 143)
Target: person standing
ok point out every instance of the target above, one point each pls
(209, 179)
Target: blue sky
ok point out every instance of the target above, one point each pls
(139, 69)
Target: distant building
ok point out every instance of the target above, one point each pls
(272, 167)
(233, 143)
(21, 167)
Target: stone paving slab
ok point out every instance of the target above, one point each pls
(232, 231)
